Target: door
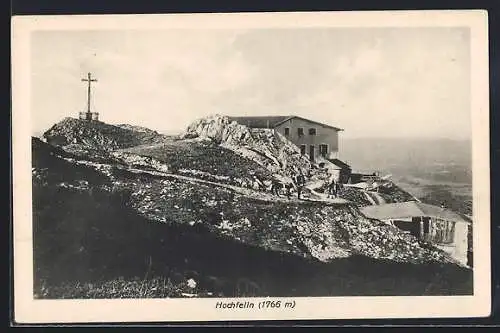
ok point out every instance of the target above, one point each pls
(323, 150)
(426, 225)
(311, 153)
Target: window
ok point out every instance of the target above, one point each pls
(312, 131)
(287, 131)
(300, 131)
(311, 153)
(303, 149)
(426, 227)
(323, 150)
(444, 232)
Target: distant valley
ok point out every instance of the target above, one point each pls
(431, 169)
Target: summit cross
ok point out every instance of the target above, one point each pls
(89, 79)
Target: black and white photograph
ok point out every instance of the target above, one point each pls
(247, 165)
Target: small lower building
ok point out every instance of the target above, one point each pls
(339, 170)
(442, 227)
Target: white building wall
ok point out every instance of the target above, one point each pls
(458, 250)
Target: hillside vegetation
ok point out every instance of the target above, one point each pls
(141, 221)
(202, 159)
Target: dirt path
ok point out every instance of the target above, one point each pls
(244, 191)
(323, 196)
(370, 198)
(374, 198)
(260, 195)
(378, 198)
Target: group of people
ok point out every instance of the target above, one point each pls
(297, 183)
(334, 188)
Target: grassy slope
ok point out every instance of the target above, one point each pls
(96, 241)
(96, 253)
(202, 156)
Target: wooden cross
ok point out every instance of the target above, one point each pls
(89, 80)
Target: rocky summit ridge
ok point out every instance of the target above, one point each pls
(99, 135)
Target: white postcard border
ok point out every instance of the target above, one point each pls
(29, 310)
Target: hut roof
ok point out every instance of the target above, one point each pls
(410, 209)
(272, 121)
(340, 164)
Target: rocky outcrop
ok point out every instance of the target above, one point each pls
(98, 135)
(219, 129)
(264, 146)
(343, 231)
(139, 129)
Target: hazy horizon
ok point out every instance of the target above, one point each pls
(373, 82)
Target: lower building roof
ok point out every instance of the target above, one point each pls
(339, 163)
(410, 209)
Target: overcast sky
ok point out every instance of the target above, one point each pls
(379, 82)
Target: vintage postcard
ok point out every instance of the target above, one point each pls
(264, 166)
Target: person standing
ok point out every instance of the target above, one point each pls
(332, 188)
(300, 181)
(275, 187)
(288, 190)
(337, 188)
